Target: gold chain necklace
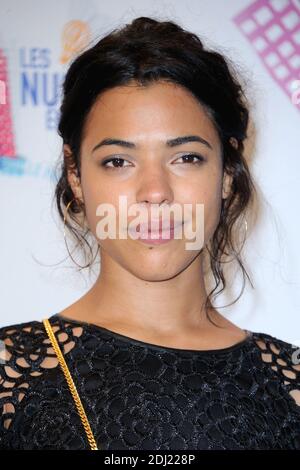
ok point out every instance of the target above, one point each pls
(71, 385)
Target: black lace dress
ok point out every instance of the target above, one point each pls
(143, 396)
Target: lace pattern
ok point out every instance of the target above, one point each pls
(140, 396)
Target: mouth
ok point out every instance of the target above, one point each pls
(159, 234)
(157, 226)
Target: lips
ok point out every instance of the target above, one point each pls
(157, 227)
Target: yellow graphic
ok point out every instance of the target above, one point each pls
(75, 36)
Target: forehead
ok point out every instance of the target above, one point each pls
(144, 112)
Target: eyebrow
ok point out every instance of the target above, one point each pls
(169, 143)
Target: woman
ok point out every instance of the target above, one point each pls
(151, 115)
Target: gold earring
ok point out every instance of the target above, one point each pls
(246, 231)
(65, 216)
(245, 236)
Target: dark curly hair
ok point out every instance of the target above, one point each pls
(147, 51)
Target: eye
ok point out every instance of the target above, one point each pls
(190, 156)
(118, 161)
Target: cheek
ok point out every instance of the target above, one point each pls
(212, 209)
(103, 204)
(96, 191)
(208, 193)
(95, 196)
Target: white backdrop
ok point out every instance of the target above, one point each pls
(37, 39)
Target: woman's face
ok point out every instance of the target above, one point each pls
(151, 173)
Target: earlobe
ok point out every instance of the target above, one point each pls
(233, 142)
(75, 185)
(227, 182)
(227, 179)
(72, 173)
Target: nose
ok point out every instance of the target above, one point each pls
(154, 188)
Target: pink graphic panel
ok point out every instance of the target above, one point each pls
(273, 28)
(7, 146)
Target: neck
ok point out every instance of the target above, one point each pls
(165, 306)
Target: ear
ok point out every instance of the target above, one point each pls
(227, 179)
(227, 182)
(72, 173)
(233, 142)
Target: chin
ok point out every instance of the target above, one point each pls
(153, 275)
(157, 269)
